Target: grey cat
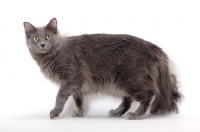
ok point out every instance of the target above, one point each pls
(120, 65)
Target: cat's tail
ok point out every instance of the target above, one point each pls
(169, 96)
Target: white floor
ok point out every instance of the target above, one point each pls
(149, 123)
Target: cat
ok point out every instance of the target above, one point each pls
(119, 65)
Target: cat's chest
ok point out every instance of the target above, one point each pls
(49, 68)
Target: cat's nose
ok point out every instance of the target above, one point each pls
(42, 45)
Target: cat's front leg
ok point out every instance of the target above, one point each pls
(63, 94)
(78, 99)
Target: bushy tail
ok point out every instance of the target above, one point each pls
(169, 96)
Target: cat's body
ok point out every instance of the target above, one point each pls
(118, 65)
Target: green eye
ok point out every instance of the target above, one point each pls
(35, 39)
(48, 37)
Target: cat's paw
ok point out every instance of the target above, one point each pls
(113, 113)
(54, 113)
(77, 113)
(132, 116)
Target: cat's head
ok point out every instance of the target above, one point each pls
(41, 40)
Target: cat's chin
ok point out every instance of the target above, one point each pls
(43, 51)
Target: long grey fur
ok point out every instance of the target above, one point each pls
(120, 65)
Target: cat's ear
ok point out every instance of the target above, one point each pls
(29, 29)
(52, 25)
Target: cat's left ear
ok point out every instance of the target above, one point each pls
(52, 25)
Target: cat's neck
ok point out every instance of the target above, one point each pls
(40, 58)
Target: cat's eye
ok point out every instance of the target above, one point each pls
(48, 37)
(35, 39)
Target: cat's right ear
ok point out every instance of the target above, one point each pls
(29, 29)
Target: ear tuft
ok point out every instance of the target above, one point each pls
(29, 28)
(52, 25)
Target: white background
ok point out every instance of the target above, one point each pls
(27, 97)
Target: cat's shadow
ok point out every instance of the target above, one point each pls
(87, 102)
(68, 110)
(70, 106)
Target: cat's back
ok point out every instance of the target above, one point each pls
(107, 40)
(107, 44)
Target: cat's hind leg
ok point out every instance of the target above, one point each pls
(78, 99)
(123, 107)
(141, 110)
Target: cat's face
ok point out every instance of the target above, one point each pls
(41, 40)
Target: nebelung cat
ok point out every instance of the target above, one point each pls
(120, 65)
